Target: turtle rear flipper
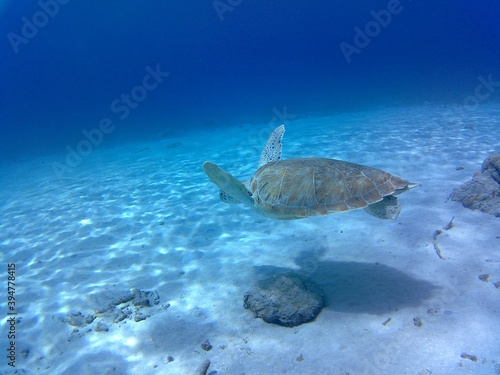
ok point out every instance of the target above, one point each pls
(387, 209)
(229, 185)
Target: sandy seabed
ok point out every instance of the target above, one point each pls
(144, 217)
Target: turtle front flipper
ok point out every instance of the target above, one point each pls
(272, 149)
(387, 209)
(226, 198)
(229, 185)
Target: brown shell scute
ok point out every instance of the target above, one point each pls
(318, 186)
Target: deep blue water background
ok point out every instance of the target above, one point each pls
(261, 55)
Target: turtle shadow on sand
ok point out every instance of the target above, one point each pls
(356, 287)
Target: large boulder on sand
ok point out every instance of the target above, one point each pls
(483, 191)
(288, 299)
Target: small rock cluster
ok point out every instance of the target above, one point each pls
(115, 307)
(483, 191)
(289, 300)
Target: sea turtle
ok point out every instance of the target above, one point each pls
(298, 188)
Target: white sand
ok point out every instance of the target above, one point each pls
(100, 230)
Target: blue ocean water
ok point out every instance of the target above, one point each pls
(64, 63)
(118, 255)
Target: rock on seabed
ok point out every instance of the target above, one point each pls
(288, 299)
(483, 191)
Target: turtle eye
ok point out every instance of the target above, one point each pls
(249, 193)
